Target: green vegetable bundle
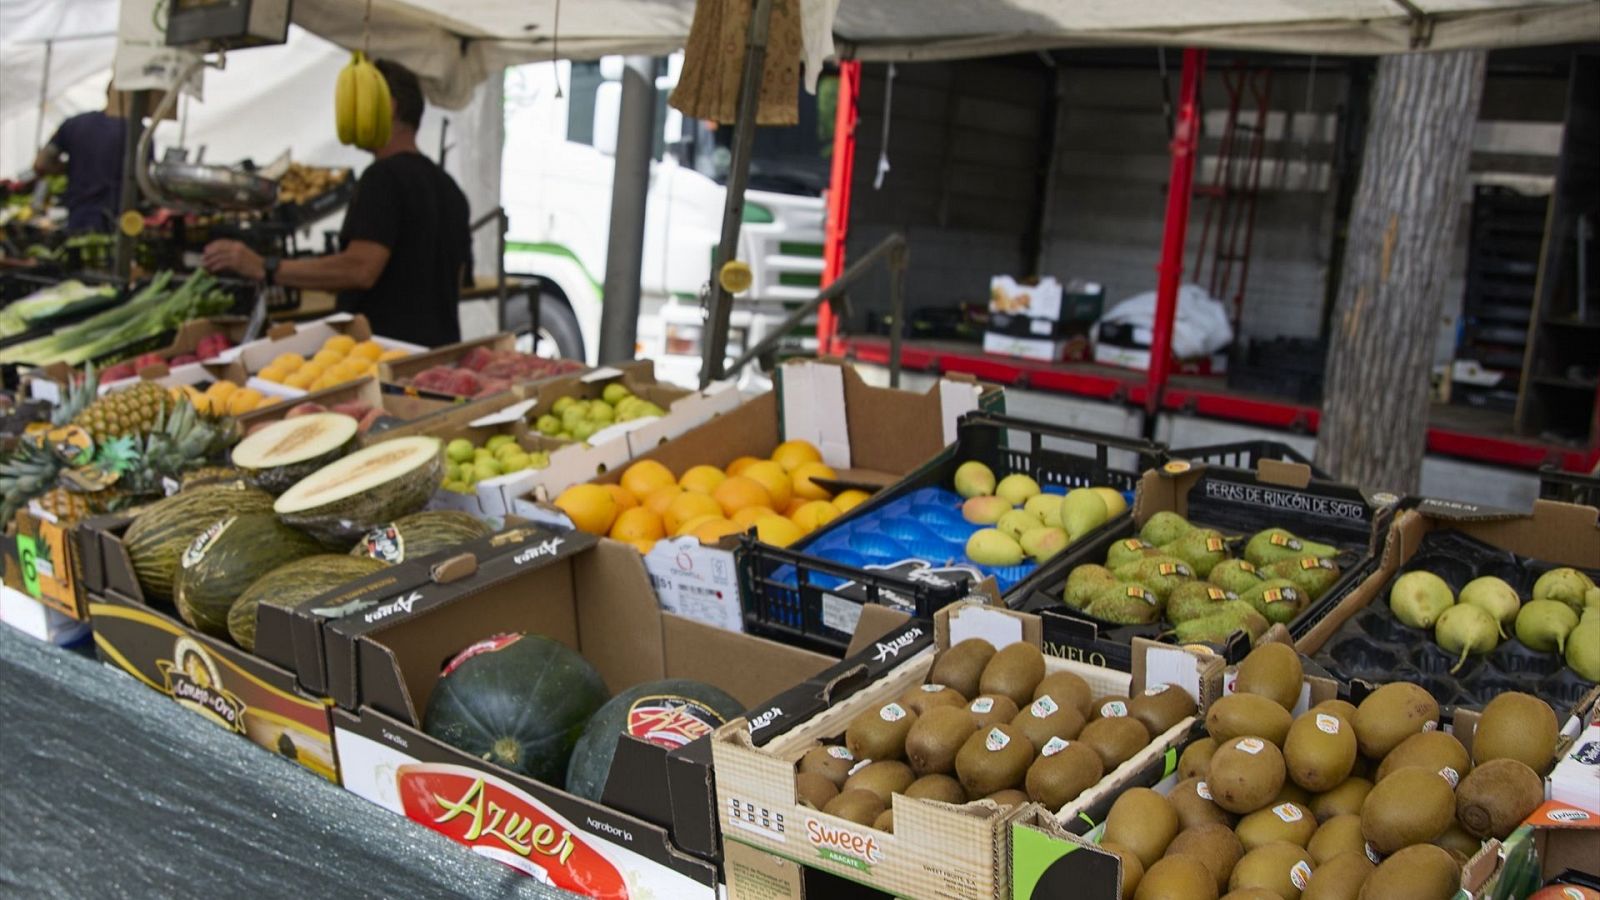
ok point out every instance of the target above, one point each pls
(152, 311)
(57, 299)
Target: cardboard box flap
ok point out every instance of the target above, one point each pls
(1049, 861)
(995, 624)
(1288, 474)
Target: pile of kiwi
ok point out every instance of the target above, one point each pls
(987, 725)
(1343, 801)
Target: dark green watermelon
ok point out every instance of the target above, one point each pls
(420, 534)
(669, 713)
(231, 553)
(517, 700)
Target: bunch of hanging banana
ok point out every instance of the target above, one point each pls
(361, 104)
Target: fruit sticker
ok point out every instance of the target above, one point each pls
(892, 712)
(384, 543)
(1450, 775)
(838, 752)
(858, 767)
(1279, 539)
(670, 721)
(1157, 689)
(982, 705)
(1134, 544)
(1139, 593)
(1043, 708)
(1203, 789)
(933, 688)
(1112, 709)
(1327, 724)
(1219, 594)
(1372, 854)
(1288, 812)
(1278, 595)
(1250, 745)
(1246, 565)
(1215, 544)
(197, 550)
(1053, 746)
(1174, 569)
(487, 645)
(996, 740)
(1315, 562)
(1300, 874)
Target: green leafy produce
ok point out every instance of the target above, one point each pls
(55, 300)
(152, 311)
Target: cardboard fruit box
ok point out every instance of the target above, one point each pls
(44, 559)
(1235, 502)
(936, 849)
(655, 832)
(1360, 639)
(870, 436)
(306, 338)
(401, 375)
(396, 414)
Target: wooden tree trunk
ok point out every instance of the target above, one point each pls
(1396, 263)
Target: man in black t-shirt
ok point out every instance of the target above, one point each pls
(407, 247)
(87, 148)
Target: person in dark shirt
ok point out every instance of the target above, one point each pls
(87, 148)
(407, 246)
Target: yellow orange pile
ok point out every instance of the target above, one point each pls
(224, 398)
(339, 360)
(778, 497)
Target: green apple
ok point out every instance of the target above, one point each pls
(615, 393)
(459, 450)
(560, 406)
(548, 425)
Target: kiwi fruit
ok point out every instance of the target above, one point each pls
(1411, 806)
(832, 762)
(1339, 878)
(1132, 868)
(1177, 878)
(1110, 707)
(885, 777)
(1340, 834)
(1516, 726)
(814, 790)
(1237, 715)
(1144, 822)
(1196, 758)
(1008, 798)
(1289, 822)
(1246, 774)
(1496, 796)
(1319, 751)
(1431, 750)
(1391, 714)
(1251, 893)
(1116, 739)
(1457, 840)
(1346, 798)
(1272, 671)
(1191, 798)
(1282, 868)
(1013, 672)
(1291, 792)
(1044, 719)
(1161, 707)
(1058, 777)
(1344, 709)
(860, 807)
(936, 737)
(960, 667)
(1068, 690)
(1214, 845)
(993, 760)
(989, 710)
(924, 697)
(1418, 872)
(885, 821)
(880, 733)
(942, 788)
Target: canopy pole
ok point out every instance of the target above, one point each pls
(134, 105)
(630, 185)
(714, 343)
(1185, 140)
(843, 167)
(44, 95)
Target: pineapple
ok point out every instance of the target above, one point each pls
(136, 411)
(29, 471)
(179, 443)
(68, 506)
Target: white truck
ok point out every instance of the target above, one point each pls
(556, 188)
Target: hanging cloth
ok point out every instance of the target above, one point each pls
(713, 60)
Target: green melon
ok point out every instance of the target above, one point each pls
(291, 584)
(285, 451)
(420, 534)
(517, 700)
(231, 553)
(158, 536)
(669, 713)
(349, 497)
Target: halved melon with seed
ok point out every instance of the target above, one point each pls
(282, 453)
(349, 497)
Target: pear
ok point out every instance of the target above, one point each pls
(1016, 488)
(1128, 550)
(992, 547)
(1419, 597)
(1277, 599)
(1195, 599)
(1116, 504)
(1163, 528)
(1583, 645)
(1084, 582)
(1043, 543)
(1236, 575)
(1161, 574)
(1544, 625)
(1591, 598)
(1312, 574)
(1215, 628)
(1015, 523)
(1044, 507)
(1201, 548)
(1277, 544)
(1125, 603)
(1565, 584)
(984, 510)
(1466, 629)
(1082, 511)
(974, 479)
(1495, 597)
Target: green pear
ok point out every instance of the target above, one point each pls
(973, 479)
(1016, 523)
(602, 413)
(548, 425)
(1127, 550)
(1277, 599)
(1161, 574)
(1591, 598)
(1276, 544)
(1163, 528)
(1418, 598)
(1496, 598)
(1312, 574)
(1044, 507)
(1544, 625)
(1236, 575)
(1216, 628)
(1084, 582)
(1116, 504)
(1565, 584)
(1082, 511)
(992, 547)
(562, 404)
(1201, 548)
(1016, 488)
(1125, 604)
(615, 393)
(984, 509)
(1583, 645)
(1196, 599)
(1043, 543)
(1466, 629)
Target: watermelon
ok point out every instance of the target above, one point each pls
(420, 534)
(669, 714)
(288, 450)
(290, 585)
(517, 700)
(349, 497)
(227, 556)
(158, 536)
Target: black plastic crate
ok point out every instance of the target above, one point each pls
(1238, 503)
(1248, 455)
(1569, 487)
(784, 592)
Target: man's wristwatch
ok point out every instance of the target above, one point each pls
(269, 270)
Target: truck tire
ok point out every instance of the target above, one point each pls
(558, 327)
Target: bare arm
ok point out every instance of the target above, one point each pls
(48, 161)
(356, 268)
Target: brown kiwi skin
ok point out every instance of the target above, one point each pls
(860, 807)
(942, 788)
(1429, 749)
(885, 821)
(1244, 782)
(1196, 758)
(982, 771)
(920, 699)
(1107, 707)
(1002, 711)
(1273, 671)
(1163, 709)
(1417, 872)
(1214, 845)
(1517, 726)
(1171, 874)
(1013, 672)
(1064, 722)
(1496, 796)
(961, 666)
(1346, 798)
(932, 743)
(1066, 688)
(814, 790)
(1195, 811)
(1238, 715)
(1411, 806)
(1340, 834)
(1144, 822)
(884, 777)
(1008, 797)
(1267, 826)
(1337, 874)
(872, 736)
(824, 763)
(1116, 740)
(1058, 779)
